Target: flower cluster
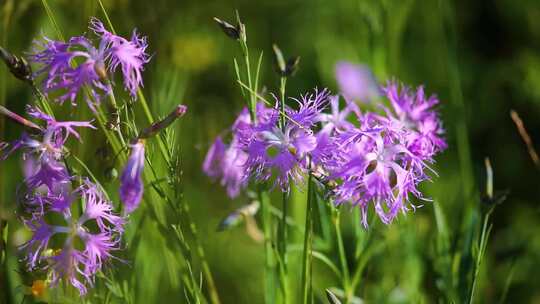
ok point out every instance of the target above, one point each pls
(267, 150)
(76, 64)
(71, 246)
(365, 158)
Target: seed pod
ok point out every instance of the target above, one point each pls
(18, 66)
(229, 29)
(285, 68)
(292, 66)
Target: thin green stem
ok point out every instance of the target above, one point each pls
(252, 99)
(114, 117)
(269, 265)
(53, 20)
(342, 256)
(283, 223)
(214, 297)
(166, 154)
(307, 251)
(482, 245)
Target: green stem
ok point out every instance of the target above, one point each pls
(307, 252)
(53, 20)
(214, 297)
(252, 99)
(283, 224)
(486, 229)
(114, 114)
(167, 156)
(269, 264)
(342, 256)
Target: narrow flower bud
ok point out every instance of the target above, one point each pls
(178, 112)
(18, 119)
(17, 66)
(131, 185)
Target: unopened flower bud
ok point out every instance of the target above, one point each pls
(18, 66)
(179, 111)
(18, 119)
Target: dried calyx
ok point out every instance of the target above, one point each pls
(18, 66)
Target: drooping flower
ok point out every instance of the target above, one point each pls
(356, 82)
(85, 246)
(47, 174)
(130, 55)
(131, 184)
(226, 163)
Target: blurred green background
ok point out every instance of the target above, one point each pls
(482, 59)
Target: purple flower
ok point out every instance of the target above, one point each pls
(337, 120)
(212, 165)
(47, 174)
(356, 82)
(376, 168)
(131, 185)
(58, 63)
(130, 55)
(86, 246)
(226, 162)
(283, 153)
(413, 112)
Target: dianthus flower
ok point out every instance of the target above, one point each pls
(356, 82)
(77, 249)
(131, 184)
(70, 66)
(283, 152)
(413, 112)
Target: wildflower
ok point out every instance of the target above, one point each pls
(70, 66)
(131, 185)
(61, 72)
(283, 153)
(356, 82)
(86, 246)
(130, 55)
(375, 168)
(226, 162)
(336, 120)
(414, 112)
(45, 150)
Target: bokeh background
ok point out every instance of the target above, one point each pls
(481, 58)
